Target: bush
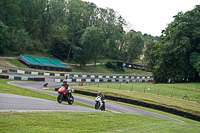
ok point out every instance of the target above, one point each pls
(4, 38)
(109, 64)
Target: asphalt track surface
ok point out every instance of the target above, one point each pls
(22, 103)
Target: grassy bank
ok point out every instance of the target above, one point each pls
(72, 122)
(164, 100)
(178, 90)
(13, 63)
(102, 69)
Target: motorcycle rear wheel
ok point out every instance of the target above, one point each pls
(103, 107)
(60, 98)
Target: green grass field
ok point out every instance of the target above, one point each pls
(83, 122)
(178, 90)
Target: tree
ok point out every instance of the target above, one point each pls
(135, 45)
(195, 61)
(92, 42)
(77, 20)
(149, 59)
(21, 42)
(60, 44)
(59, 48)
(4, 38)
(78, 55)
(10, 14)
(177, 53)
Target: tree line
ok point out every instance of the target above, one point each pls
(81, 31)
(68, 29)
(176, 57)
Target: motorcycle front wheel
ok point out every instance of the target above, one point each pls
(71, 100)
(97, 105)
(60, 98)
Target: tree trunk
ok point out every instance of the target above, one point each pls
(69, 53)
(95, 61)
(13, 33)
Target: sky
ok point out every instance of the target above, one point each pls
(148, 16)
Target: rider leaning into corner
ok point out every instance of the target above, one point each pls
(102, 102)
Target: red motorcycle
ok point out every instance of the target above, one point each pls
(65, 95)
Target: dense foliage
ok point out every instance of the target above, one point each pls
(177, 54)
(71, 29)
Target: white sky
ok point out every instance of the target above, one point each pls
(148, 16)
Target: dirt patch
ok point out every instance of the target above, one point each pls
(6, 63)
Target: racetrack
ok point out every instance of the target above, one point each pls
(117, 108)
(11, 102)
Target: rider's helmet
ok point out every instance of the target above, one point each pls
(99, 93)
(64, 81)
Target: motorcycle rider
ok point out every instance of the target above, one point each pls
(102, 102)
(65, 84)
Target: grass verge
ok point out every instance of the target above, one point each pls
(88, 122)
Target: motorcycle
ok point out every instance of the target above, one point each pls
(65, 95)
(98, 103)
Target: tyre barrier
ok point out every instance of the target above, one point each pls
(4, 71)
(21, 78)
(3, 77)
(37, 73)
(144, 104)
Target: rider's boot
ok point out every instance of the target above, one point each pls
(100, 104)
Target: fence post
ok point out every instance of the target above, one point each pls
(158, 92)
(186, 97)
(171, 94)
(131, 87)
(144, 89)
